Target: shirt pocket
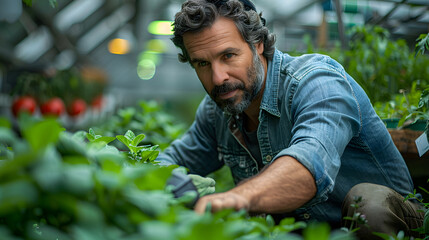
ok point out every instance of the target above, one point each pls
(241, 166)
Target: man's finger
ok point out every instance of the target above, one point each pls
(201, 206)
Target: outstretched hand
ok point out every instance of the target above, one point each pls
(219, 201)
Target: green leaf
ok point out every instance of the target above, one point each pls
(7, 136)
(422, 43)
(123, 140)
(149, 155)
(5, 123)
(79, 136)
(42, 133)
(111, 165)
(68, 146)
(53, 3)
(134, 149)
(317, 231)
(47, 232)
(48, 173)
(91, 135)
(28, 2)
(424, 190)
(153, 203)
(149, 177)
(157, 231)
(138, 139)
(104, 139)
(15, 195)
(77, 179)
(76, 160)
(89, 214)
(130, 135)
(270, 221)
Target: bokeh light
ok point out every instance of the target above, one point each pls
(161, 28)
(146, 69)
(119, 46)
(150, 55)
(156, 45)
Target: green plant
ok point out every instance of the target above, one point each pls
(357, 218)
(423, 107)
(399, 236)
(146, 154)
(406, 107)
(414, 195)
(149, 117)
(421, 111)
(422, 44)
(59, 185)
(393, 109)
(382, 66)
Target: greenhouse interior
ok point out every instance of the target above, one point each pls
(92, 92)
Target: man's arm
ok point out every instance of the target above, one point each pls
(283, 187)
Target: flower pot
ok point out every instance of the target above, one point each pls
(418, 125)
(391, 123)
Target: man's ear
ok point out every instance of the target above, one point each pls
(259, 47)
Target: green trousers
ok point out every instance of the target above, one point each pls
(385, 211)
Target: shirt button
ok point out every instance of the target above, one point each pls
(306, 216)
(268, 158)
(234, 126)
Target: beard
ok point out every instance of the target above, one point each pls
(255, 75)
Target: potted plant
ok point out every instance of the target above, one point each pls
(423, 108)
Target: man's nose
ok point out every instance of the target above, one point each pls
(219, 73)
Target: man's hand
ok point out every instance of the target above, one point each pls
(221, 201)
(283, 186)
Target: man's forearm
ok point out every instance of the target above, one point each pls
(282, 187)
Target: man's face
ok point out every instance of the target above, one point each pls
(226, 66)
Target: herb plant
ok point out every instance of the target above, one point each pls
(146, 154)
(148, 117)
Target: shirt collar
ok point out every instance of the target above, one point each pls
(270, 98)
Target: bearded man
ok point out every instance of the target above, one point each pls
(299, 134)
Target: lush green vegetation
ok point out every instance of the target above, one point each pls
(159, 127)
(59, 185)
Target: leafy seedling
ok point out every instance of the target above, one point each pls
(145, 153)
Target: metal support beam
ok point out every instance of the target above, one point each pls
(341, 31)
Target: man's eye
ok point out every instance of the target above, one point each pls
(229, 55)
(202, 64)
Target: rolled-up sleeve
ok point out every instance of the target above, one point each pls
(197, 149)
(325, 116)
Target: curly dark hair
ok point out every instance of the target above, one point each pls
(197, 15)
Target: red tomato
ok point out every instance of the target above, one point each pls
(77, 107)
(53, 107)
(97, 102)
(24, 104)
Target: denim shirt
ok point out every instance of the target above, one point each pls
(313, 111)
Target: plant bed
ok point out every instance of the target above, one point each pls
(77, 186)
(404, 140)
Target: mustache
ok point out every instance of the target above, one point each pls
(226, 87)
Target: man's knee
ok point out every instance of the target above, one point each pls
(383, 208)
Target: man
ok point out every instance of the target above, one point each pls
(297, 132)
